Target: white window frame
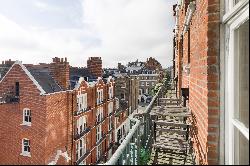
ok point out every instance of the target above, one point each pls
(234, 18)
(110, 123)
(82, 102)
(99, 114)
(100, 96)
(26, 153)
(110, 108)
(79, 148)
(98, 133)
(111, 94)
(25, 113)
(140, 92)
(81, 123)
(98, 152)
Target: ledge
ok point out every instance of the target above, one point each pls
(25, 154)
(26, 124)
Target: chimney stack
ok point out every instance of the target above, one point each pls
(59, 70)
(94, 65)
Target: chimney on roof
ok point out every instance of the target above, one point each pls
(59, 70)
(94, 65)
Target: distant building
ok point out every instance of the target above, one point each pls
(126, 92)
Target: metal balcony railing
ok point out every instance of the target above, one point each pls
(139, 138)
(79, 112)
(78, 136)
(82, 158)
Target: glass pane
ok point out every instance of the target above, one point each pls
(236, 1)
(242, 45)
(241, 148)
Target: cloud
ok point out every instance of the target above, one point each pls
(131, 29)
(116, 30)
(34, 45)
(42, 6)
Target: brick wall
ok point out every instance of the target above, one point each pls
(203, 80)
(94, 64)
(90, 115)
(11, 118)
(59, 113)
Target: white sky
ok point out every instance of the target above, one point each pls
(34, 31)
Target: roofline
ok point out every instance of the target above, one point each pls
(42, 92)
(53, 93)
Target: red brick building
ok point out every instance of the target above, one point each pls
(94, 64)
(44, 122)
(205, 77)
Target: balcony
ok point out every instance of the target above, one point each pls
(78, 136)
(103, 136)
(110, 146)
(159, 135)
(81, 111)
(82, 158)
(99, 121)
(99, 101)
(112, 128)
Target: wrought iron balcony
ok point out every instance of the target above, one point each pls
(110, 146)
(77, 113)
(78, 136)
(99, 121)
(82, 158)
(103, 136)
(112, 128)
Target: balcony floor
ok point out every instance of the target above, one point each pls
(165, 158)
(169, 157)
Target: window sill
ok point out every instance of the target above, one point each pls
(25, 154)
(26, 124)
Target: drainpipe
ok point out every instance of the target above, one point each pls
(190, 12)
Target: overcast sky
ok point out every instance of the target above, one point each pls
(34, 31)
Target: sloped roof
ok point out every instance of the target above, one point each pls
(3, 70)
(44, 79)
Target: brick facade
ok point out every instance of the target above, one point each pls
(127, 92)
(94, 64)
(197, 68)
(53, 119)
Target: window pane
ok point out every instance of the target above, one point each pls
(236, 1)
(241, 148)
(242, 45)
